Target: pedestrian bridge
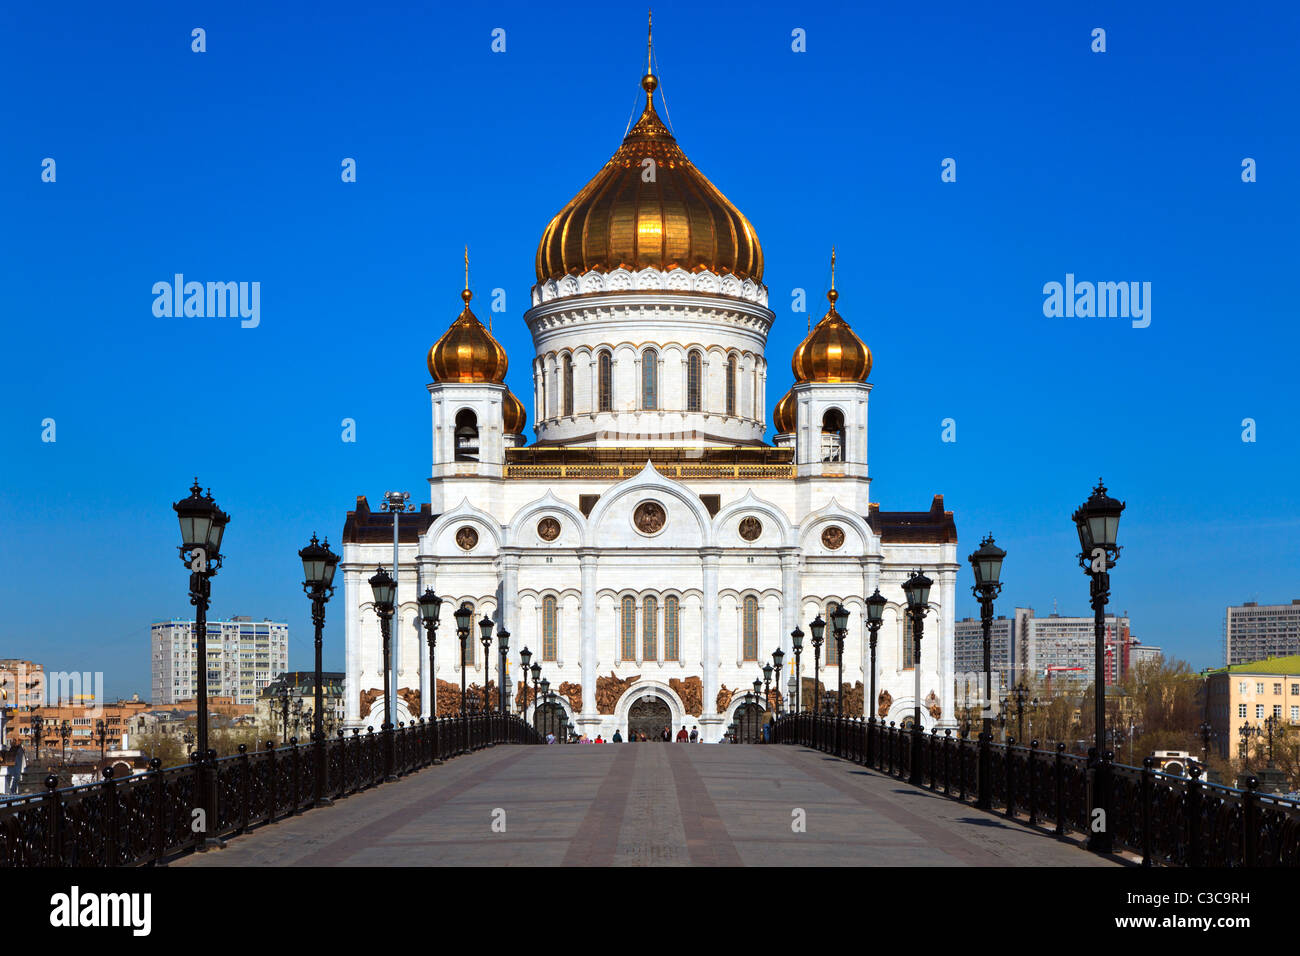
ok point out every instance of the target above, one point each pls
(648, 804)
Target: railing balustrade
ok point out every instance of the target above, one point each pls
(153, 815)
(1163, 819)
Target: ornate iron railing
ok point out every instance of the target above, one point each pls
(157, 814)
(1164, 819)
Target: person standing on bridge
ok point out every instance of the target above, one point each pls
(695, 735)
(617, 738)
(682, 735)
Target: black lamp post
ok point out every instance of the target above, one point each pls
(202, 526)
(818, 629)
(796, 641)
(525, 657)
(464, 618)
(778, 658)
(37, 721)
(101, 735)
(485, 627)
(1206, 730)
(767, 685)
(840, 630)
(987, 564)
(536, 671)
(546, 704)
(318, 566)
(503, 648)
(917, 589)
(384, 588)
(1022, 694)
(1271, 726)
(430, 609)
(283, 694)
(65, 734)
(1097, 522)
(758, 710)
(875, 617)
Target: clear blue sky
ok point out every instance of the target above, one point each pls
(225, 166)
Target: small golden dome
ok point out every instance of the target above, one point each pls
(634, 215)
(467, 352)
(783, 414)
(515, 416)
(832, 352)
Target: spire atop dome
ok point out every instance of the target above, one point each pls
(832, 352)
(649, 207)
(467, 352)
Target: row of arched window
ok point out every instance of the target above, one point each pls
(649, 630)
(649, 399)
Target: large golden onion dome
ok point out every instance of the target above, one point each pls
(832, 352)
(634, 215)
(515, 416)
(467, 352)
(783, 414)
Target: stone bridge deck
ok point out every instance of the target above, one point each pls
(646, 804)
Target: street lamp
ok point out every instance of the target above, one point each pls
(202, 526)
(818, 629)
(383, 589)
(767, 684)
(758, 710)
(796, 641)
(778, 657)
(1022, 695)
(464, 618)
(65, 734)
(917, 590)
(536, 671)
(430, 609)
(1097, 523)
(503, 647)
(525, 657)
(840, 630)
(987, 564)
(875, 618)
(485, 627)
(546, 703)
(101, 735)
(318, 566)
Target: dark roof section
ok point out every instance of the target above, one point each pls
(918, 527)
(376, 527)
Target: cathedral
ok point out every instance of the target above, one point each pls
(649, 548)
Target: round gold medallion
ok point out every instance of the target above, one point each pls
(649, 517)
(466, 538)
(750, 528)
(833, 538)
(548, 529)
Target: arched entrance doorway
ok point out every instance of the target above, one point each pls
(749, 723)
(649, 715)
(550, 719)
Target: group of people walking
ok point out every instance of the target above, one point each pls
(666, 736)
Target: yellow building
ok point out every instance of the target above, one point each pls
(1248, 694)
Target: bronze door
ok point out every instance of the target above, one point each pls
(649, 715)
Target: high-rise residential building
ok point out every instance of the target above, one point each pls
(1061, 650)
(243, 657)
(968, 649)
(1254, 632)
(22, 683)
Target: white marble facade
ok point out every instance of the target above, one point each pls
(580, 574)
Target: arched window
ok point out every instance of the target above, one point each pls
(628, 630)
(672, 614)
(832, 649)
(549, 638)
(467, 660)
(605, 385)
(749, 628)
(694, 365)
(650, 379)
(466, 435)
(908, 656)
(650, 631)
(568, 386)
(833, 435)
(731, 385)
